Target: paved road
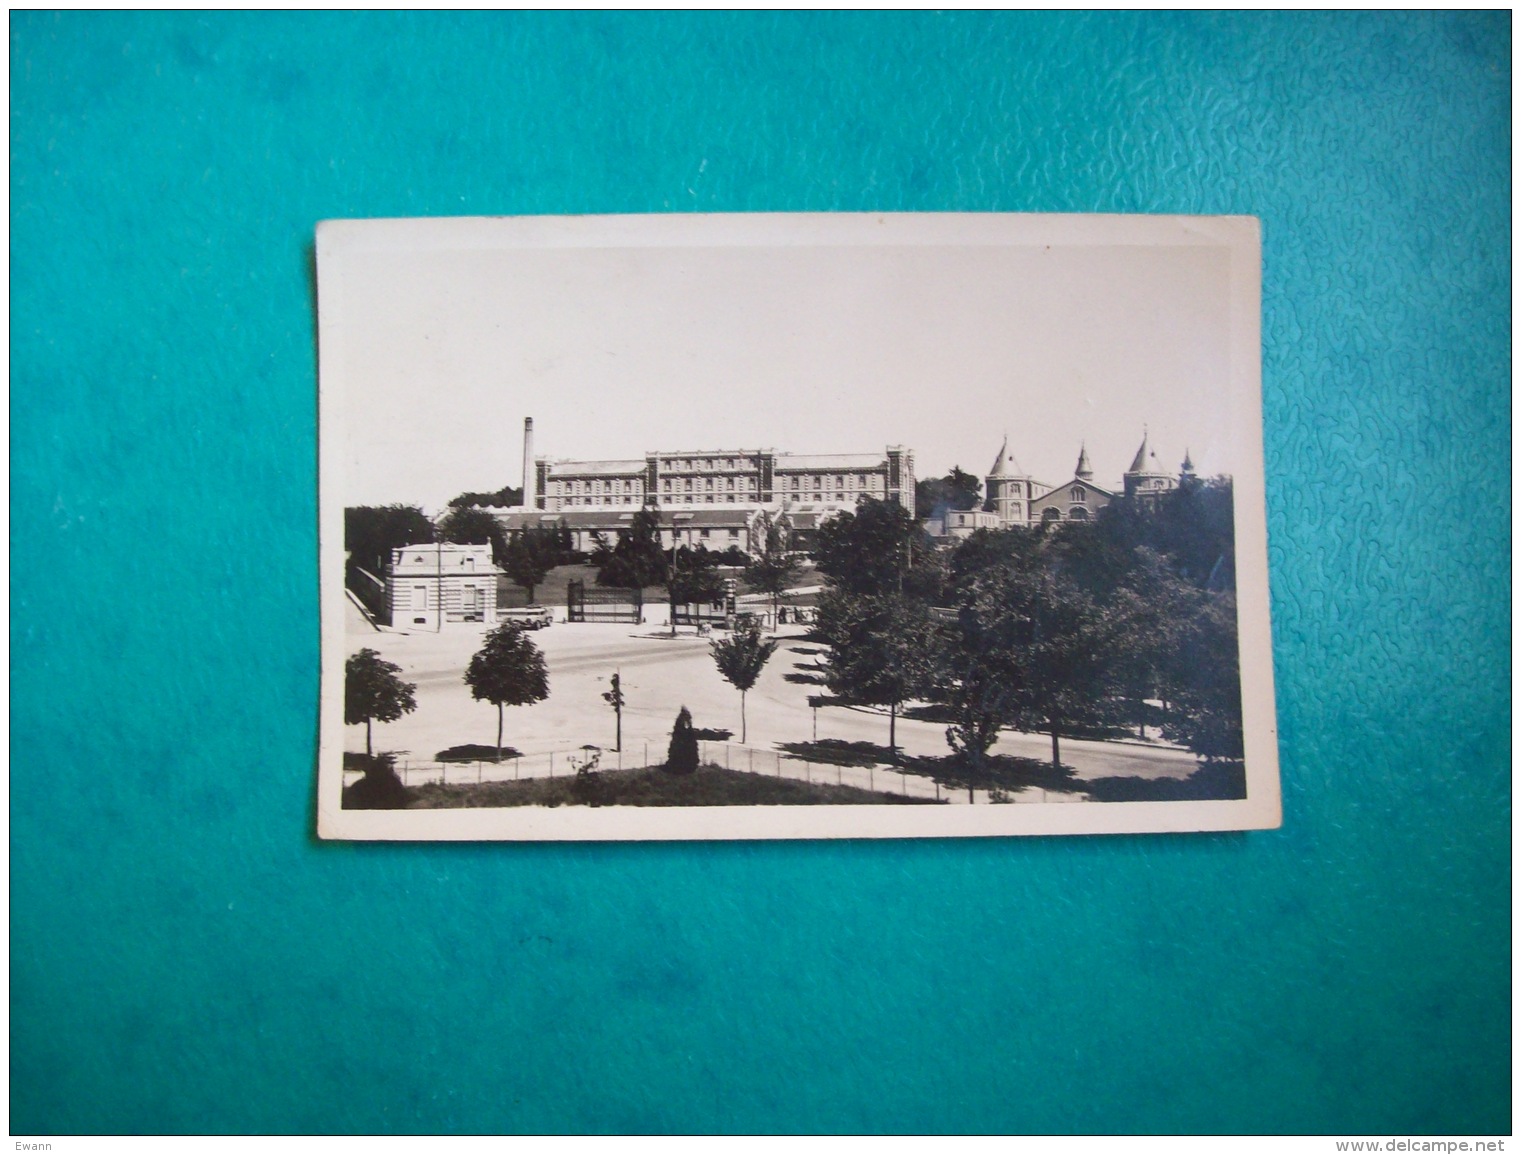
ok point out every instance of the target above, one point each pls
(659, 676)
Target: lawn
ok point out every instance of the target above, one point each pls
(652, 786)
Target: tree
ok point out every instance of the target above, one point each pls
(693, 583)
(1085, 623)
(774, 563)
(600, 554)
(882, 650)
(681, 756)
(373, 693)
(1062, 642)
(741, 657)
(981, 682)
(1153, 608)
(614, 698)
(507, 670)
(470, 526)
(508, 495)
(1193, 526)
(371, 532)
(963, 489)
(956, 490)
(691, 580)
(868, 551)
(1206, 680)
(530, 555)
(637, 560)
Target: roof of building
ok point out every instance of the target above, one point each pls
(446, 559)
(1083, 470)
(1004, 464)
(435, 549)
(596, 468)
(744, 453)
(731, 516)
(793, 461)
(1056, 489)
(999, 464)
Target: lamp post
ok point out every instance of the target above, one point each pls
(676, 519)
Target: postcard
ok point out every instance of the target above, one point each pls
(792, 526)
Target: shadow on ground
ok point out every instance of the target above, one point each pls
(474, 752)
(1213, 780)
(837, 752)
(1000, 772)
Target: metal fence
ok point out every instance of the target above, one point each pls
(878, 779)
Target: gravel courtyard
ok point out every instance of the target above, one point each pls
(659, 675)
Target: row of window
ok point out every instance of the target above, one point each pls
(594, 487)
(688, 498)
(605, 499)
(678, 499)
(841, 481)
(794, 482)
(704, 463)
(686, 485)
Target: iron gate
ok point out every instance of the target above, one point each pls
(603, 604)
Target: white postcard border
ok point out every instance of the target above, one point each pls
(1261, 809)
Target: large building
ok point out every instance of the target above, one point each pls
(1014, 498)
(712, 497)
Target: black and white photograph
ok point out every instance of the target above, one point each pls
(792, 526)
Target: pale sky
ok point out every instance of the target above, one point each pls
(440, 345)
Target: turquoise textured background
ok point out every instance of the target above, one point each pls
(186, 958)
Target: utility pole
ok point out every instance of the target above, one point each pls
(671, 579)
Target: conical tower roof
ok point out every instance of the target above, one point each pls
(1188, 461)
(1004, 465)
(1139, 464)
(1083, 470)
(1001, 461)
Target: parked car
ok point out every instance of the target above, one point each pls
(529, 617)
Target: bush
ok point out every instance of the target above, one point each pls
(682, 755)
(379, 789)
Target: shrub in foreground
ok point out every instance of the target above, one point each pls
(681, 758)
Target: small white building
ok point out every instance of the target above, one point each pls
(960, 523)
(457, 580)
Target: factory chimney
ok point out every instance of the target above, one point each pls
(528, 470)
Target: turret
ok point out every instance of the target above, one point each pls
(1008, 489)
(1083, 471)
(1146, 477)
